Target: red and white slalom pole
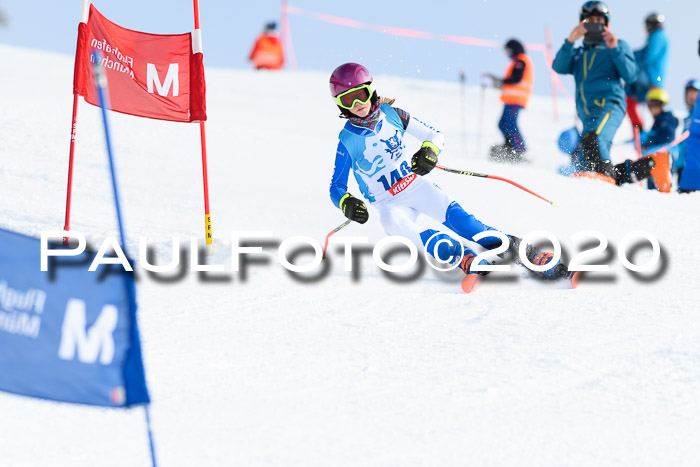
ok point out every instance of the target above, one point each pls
(84, 12)
(670, 145)
(549, 58)
(287, 36)
(197, 48)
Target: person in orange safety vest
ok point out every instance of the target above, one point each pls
(267, 52)
(516, 88)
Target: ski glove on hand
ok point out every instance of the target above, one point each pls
(353, 208)
(425, 159)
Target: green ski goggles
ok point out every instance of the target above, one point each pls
(348, 99)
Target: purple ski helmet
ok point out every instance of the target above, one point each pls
(348, 76)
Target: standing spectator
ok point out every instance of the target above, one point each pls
(517, 89)
(691, 93)
(664, 129)
(267, 52)
(651, 60)
(662, 132)
(599, 67)
(690, 181)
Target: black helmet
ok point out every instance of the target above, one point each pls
(593, 8)
(654, 21)
(514, 47)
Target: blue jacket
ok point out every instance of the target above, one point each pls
(377, 156)
(598, 72)
(663, 131)
(691, 170)
(679, 163)
(652, 59)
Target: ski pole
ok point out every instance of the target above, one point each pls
(463, 109)
(673, 143)
(480, 116)
(494, 177)
(341, 226)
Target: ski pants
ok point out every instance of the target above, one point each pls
(508, 124)
(604, 122)
(398, 217)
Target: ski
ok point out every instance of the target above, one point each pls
(575, 278)
(470, 283)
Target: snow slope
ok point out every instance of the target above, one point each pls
(269, 371)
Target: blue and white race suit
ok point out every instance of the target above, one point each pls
(382, 170)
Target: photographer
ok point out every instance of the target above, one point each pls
(599, 67)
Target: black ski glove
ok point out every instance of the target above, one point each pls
(354, 209)
(425, 159)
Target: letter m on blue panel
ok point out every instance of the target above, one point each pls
(67, 334)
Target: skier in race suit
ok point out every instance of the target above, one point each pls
(372, 145)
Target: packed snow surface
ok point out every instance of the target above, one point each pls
(271, 371)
